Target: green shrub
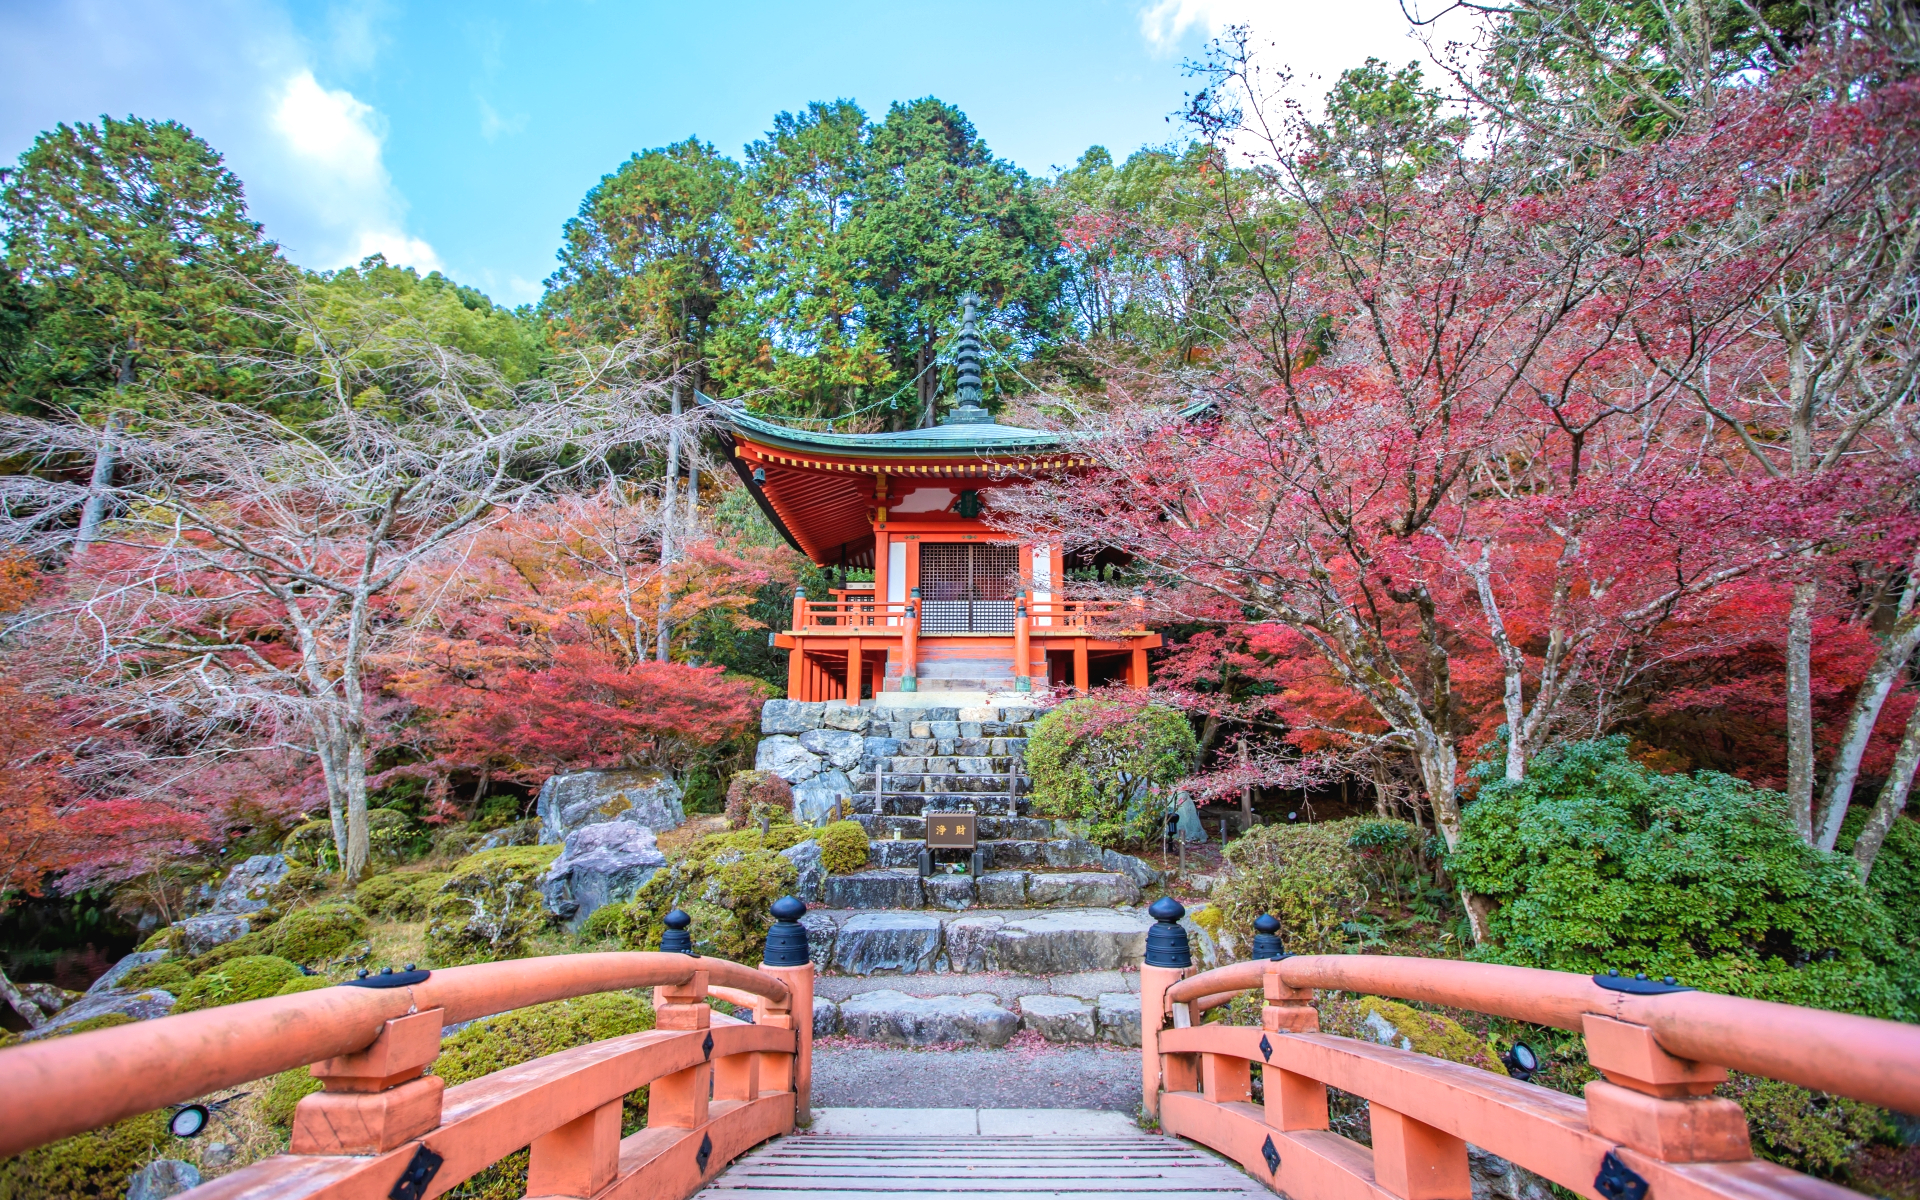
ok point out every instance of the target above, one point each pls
(319, 933)
(1109, 763)
(400, 896)
(843, 847)
(726, 882)
(86, 1165)
(1308, 876)
(286, 1090)
(1807, 1131)
(394, 837)
(752, 795)
(250, 978)
(1597, 862)
(489, 905)
(496, 1043)
(311, 844)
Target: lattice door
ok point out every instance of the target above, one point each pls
(967, 588)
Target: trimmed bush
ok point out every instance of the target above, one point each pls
(250, 978)
(1807, 1131)
(754, 794)
(1308, 876)
(1111, 764)
(843, 847)
(86, 1165)
(489, 905)
(1597, 862)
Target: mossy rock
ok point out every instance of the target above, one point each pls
(167, 975)
(86, 1165)
(251, 978)
(311, 845)
(283, 1092)
(752, 795)
(1390, 1022)
(496, 1043)
(393, 837)
(317, 934)
(843, 847)
(305, 983)
(103, 1021)
(401, 896)
(489, 905)
(726, 882)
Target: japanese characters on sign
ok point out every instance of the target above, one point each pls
(951, 831)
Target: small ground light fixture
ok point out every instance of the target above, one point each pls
(1521, 1061)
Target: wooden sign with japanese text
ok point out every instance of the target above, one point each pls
(951, 831)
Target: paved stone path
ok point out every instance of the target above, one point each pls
(1052, 1077)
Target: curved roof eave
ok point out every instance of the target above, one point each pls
(941, 441)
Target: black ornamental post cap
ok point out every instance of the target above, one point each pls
(787, 940)
(1266, 937)
(676, 940)
(1166, 941)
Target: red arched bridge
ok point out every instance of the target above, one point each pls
(382, 1127)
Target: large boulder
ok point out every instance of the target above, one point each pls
(581, 798)
(1119, 1014)
(1089, 889)
(1064, 943)
(1058, 1018)
(1495, 1178)
(790, 716)
(826, 1017)
(162, 1178)
(137, 1006)
(872, 889)
(197, 935)
(822, 930)
(840, 748)
(814, 799)
(810, 871)
(1003, 889)
(787, 758)
(600, 864)
(902, 1020)
(119, 970)
(249, 887)
(970, 942)
(1133, 868)
(886, 943)
(849, 717)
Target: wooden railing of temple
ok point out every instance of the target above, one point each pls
(381, 1127)
(1041, 616)
(1650, 1127)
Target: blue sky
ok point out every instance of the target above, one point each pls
(461, 136)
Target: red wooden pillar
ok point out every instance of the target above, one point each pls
(1137, 672)
(1022, 649)
(856, 671)
(1080, 666)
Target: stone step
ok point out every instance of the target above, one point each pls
(1022, 942)
(900, 1018)
(992, 828)
(1005, 853)
(901, 887)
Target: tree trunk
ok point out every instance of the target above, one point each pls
(358, 843)
(94, 514)
(1893, 798)
(1800, 708)
(669, 514)
(28, 1010)
(1844, 771)
(330, 748)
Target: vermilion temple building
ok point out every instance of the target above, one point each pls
(954, 606)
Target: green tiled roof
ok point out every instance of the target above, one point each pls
(942, 441)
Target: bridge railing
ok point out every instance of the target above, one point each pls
(1649, 1125)
(382, 1127)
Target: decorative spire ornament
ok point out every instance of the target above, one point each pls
(967, 409)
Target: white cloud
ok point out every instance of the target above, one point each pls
(239, 75)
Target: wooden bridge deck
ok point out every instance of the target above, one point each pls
(971, 1167)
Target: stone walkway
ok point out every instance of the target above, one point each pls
(1052, 1077)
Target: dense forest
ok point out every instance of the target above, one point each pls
(1499, 407)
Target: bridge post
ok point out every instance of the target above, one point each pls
(1293, 1101)
(579, 1158)
(1657, 1103)
(1415, 1161)
(374, 1099)
(789, 960)
(1167, 962)
(679, 1100)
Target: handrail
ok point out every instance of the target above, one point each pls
(106, 1075)
(1864, 1058)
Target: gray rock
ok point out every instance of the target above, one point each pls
(1190, 827)
(601, 864)
(826, 1017)
(805, 858)
(162, 1178)
(839, 747)
(48, 998)
(118, 971)
(1003, 889)
(216, 1155)
(1206, 951)
(1058, 1018)
(1067, 942)
(943, 729)
(846, 716)
(1495, 1178)
(1119, 1014)
(951, 892)
(877, 748)
(790, 716)
(1133, 868)
(1081, 889)
(1017, 716)
(902, 1020)
(970, 942)
(201, 934)
(821, 931)
(140, 1006)
(978, 713)
(1073, 852)
(814, 799)
(249, 886)
(886, 943)
(787, 758)
(872, 889)
(889, 853)
(581, 798)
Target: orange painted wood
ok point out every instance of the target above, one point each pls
(1224, 1078)
(796, 1074)
(1293, 1101)
(737, 1077)
(1629, 1056)
(366, 1122)
(654, 1165)
(1314, 1165)
(1689, 1129)
(856, 671)
(402, 1050)
(577, 1159)
(680, 1100)
(1080, 665)
(1415, 1161)
(1154, 982)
